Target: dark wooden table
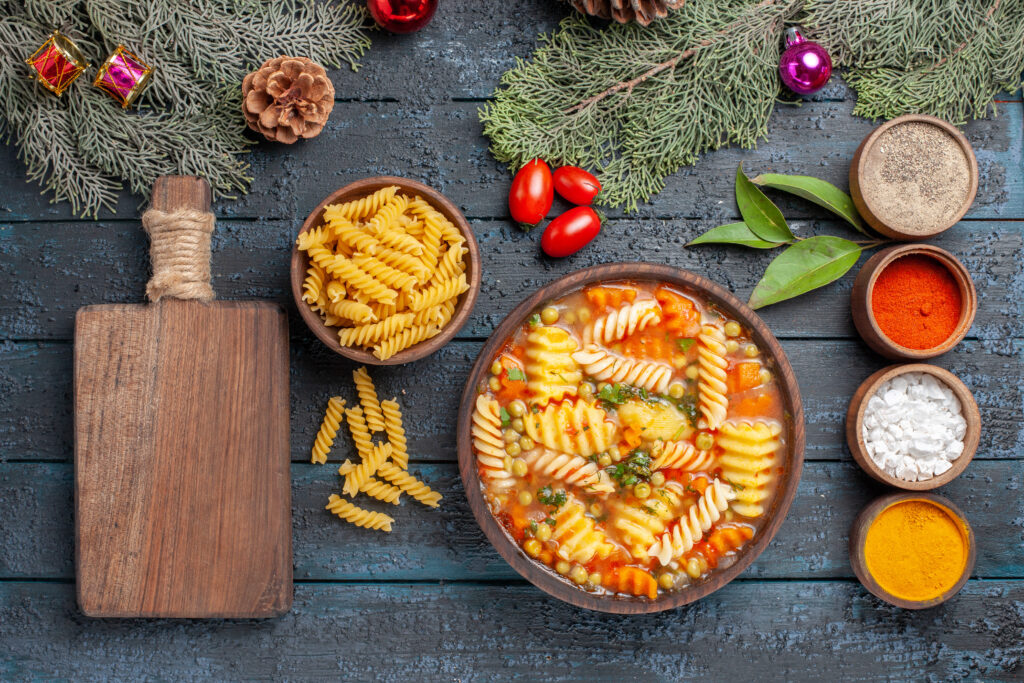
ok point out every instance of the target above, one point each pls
(433, 600)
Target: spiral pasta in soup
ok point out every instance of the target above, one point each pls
(629, 436)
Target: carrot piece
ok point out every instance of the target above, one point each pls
(725, 539)
(511, 389)
(744, 376)
(630, 438)
(651, 346)
(680, 314)
(632, 581)
(753, 406)
(601, 297)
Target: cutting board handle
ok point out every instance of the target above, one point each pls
(179, 224)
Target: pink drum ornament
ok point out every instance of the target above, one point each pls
(805, 66)
(124, 76)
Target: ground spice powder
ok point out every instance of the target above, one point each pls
(915, 550)
(916, 302)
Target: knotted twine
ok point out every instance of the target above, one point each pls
(179, 250)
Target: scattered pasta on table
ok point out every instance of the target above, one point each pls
(381, 472)
(629, 436)
(386, 270)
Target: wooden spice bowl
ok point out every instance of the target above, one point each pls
(858, 535)
(855, 425)
(864, 317)
(792, 459)
(866, 157)
(464, 305)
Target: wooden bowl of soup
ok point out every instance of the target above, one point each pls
(631, 437)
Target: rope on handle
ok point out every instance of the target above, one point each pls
(179, 250)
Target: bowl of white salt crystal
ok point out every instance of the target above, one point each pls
(915, 427)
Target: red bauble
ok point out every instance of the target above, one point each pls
(402, 16)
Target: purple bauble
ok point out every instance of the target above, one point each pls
(805, 66)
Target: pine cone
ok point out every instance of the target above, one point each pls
(287, 98)
(642, 12)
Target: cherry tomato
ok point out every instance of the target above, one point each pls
(576, 185)
(530, 197)
(571, 231)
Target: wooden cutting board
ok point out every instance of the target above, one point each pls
(182, 482)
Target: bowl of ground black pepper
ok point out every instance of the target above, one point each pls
(913, 177)
(913, 302)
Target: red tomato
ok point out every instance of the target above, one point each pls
(576, 185)
(531, 195)
(571, 231)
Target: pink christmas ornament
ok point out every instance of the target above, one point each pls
(805, 66)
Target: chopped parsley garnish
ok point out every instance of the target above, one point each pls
(735, 486)
(687, 405)
(516, 375)
(617, 394)
(685, 344)
(533, 320)
(632, 470)
(545, 496)
(550, 521)
(533, 527)
(506, 419)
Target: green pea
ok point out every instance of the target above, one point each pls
(526, 443)
(549, 316)
(704, 441)
(525, 498)
(494, 384)
(733, 329)
(516, 408)
(751, 350)
(586, 391)
(642, 490)
(513, 449)
(657, 479)
(676, 390)
(518, 465)
(543, 532)
(517, 424)
(495, 368)
(578, 575)
(510, 436)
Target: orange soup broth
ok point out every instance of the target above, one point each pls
(683, 313)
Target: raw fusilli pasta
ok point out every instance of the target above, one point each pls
(357, 515)
(748, 460)
(328, 430)
(313, 284)
(392, 277)
(368, 399)
(436, 293)
(362, 472)
(711, 386)
(404, 339)
(374, 332)
(622, 322)
(571, 469)
(396, 433)
(410, 485)
(602, 364)
(569, 426)
(360, 432)
(358, 209)
(691, 527)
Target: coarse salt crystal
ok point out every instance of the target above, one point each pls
(914, 427)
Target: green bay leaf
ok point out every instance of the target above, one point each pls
(807, 265)
(759, 213)
(821, 192)
(734, 233)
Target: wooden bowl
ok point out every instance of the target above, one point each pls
(543, 577)
(855, 425)
(463, 308)
(858, 535)
(864, 317)
(863, 158)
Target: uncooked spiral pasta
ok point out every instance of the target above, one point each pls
(410, 485)
(368, 400)
(362, 472)
(551, 373)
(571, 469)
(404, 339)
(328, 430)
(629, 436)
(748, 461)
(579, 427)
(360, 432)
(711, 383)
(488, 443)
(691, 527)
(374, 332)
(578, 540)
(396, 433)
(604, 365)
(385, 255)
(680, 455)
(367, 519)
(622, 322)
(359, 209)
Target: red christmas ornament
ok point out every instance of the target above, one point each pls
(402, 16)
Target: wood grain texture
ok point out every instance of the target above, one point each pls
(182, 498)
(791, 461)
(748, 631)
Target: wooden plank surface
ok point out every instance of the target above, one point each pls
(434, 601)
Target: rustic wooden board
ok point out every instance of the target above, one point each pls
(91, 262)
(478, 632)
(447, 545)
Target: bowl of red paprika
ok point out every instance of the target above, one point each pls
(913, 302)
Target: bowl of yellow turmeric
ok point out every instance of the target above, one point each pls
(912, 550)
